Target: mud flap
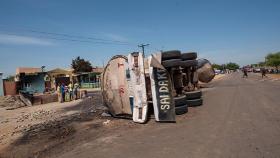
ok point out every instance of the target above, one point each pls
(163, 102)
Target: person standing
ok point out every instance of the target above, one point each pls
(263, 70)
(75, 90)
(67, 94)
(62, 93)
(58, 90)
(70, 89)
(245, 73)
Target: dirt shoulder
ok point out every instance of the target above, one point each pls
(274, 76)
(30, 130)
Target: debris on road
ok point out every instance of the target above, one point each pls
(37, 115)
(11, 102)
(106, 122)
(105, 114)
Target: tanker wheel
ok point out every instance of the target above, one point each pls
(171, 63)
(194, 102)
(189, 56)
(172, 54)
(180, 100)
(188, 63)
(193, 94)
(181, 109)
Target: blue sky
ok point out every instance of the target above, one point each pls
(241, 31)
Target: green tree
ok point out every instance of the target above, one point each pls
(81, 65)
(273, 59)
(218, 67)
(232, 66)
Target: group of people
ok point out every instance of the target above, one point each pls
(67, 92)
(245, 72)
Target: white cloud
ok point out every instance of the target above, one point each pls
(23, 40)
(116, 37)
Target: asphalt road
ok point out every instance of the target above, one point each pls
(240, 118)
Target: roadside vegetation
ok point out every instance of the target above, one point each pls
(271, 59)
(271, 63)
(230, 66)
(81, 65)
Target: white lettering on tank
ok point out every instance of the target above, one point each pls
(161, 76)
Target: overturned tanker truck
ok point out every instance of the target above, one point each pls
(164, 84)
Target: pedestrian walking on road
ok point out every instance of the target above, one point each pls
(263, 70)
(245, 73)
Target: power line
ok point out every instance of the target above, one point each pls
(72, 36)
(72, 40)
(76, 38)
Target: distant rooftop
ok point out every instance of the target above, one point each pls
(97, 69)
(28, 70)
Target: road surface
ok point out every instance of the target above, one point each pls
(240, 118)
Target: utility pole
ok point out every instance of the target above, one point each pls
(143, 48)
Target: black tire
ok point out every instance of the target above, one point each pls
(181, 100)
(172, 54)
(171, 63)
(188, 63)
(193, 95)
(189, 56)
(194, 102)
(181, 109)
